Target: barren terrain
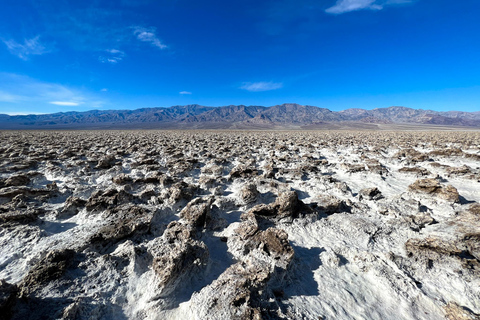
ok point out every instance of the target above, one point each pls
(240, 225)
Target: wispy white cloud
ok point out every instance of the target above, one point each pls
(343, 6)
(22, 113)
(29, 47)
(18, 91)
(104, 90)
(261, 86)
(185, 92)
(65, 103)
(112, 56)
(8, 97)
(148, 35)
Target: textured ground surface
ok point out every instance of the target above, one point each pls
(239, 225)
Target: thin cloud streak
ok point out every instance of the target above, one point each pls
(185, 92)
(148, 35)
(65, 103)
(29, 47)
(261, 86)
(113, 56)
(18, 91)
(8, 97)
(343, 6)
(26, 113)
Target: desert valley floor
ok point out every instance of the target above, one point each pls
(239, 225)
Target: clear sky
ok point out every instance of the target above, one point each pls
(62, 55)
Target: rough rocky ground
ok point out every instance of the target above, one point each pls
(239, 225)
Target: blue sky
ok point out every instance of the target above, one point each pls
(125, 54)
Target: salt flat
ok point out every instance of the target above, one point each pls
(240, 224)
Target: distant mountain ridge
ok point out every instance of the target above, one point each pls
(287, 115)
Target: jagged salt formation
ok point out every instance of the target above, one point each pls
(239, 225)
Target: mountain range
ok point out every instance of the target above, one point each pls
(288, 116)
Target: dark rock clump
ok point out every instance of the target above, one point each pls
(243, 171)
(72, 206)
(432, 249)
(197, 212)
(433, 187)
(8, 294)
(177, 256)
(107, 162)
(249, 193)
(418, 171)
(286, 205)
(109, 199)
(20, 215)
(370, 194)
(50, 268)
(17, 180)
(330, 204)
(122, 179)
(182, 191)
(123, 222)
